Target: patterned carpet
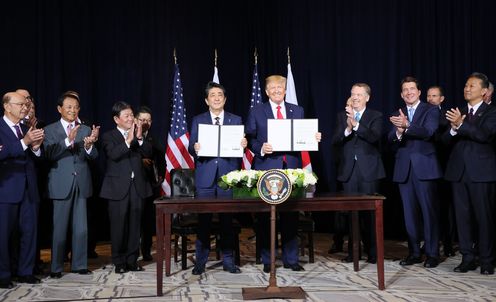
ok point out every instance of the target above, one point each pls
(325, 280)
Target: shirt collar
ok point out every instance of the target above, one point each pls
(9, 122)
(414, 106)
(221, 117)
(476, 106)
(65, 123)
(122, 131)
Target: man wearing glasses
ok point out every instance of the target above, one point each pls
(18, 188)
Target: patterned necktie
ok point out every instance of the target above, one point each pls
(18, 132)
(279, 113)
(217, 120)
(411, 112)
(69, 128)
(471, 114)
(357, 116)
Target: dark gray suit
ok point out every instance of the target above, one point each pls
(69, 185)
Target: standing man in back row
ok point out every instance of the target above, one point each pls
(358, 134)
(471, 170)
(416, 171)
(69, 148)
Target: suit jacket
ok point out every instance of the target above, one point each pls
(121, 163)
(17, 167)
(68, 164)
(416, 147)
(363, 143)
(208, 167)
(473, 149)
(256, 129)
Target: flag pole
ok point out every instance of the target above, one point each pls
(175, 57)
(289, 56)
(255, 55)
(215, 57)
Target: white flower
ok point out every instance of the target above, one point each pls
(249, 178)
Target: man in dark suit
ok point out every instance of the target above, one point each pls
(19, 146)
(208, 171)
(266, 158)
(68, 148)
(489, 94)
(447, 222)
(358, 132)
(416, 170)
(472, 172)
(155, 170)
(125, 186)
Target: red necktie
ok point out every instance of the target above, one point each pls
(280, 117)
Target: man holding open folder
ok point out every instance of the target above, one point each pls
(208, 170)
(266, 158)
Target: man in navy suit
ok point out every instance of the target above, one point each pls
(416, 170)
(266, 158)
(125, 186)
(69, 147)
(18, 188)
(208, 170)
(358, 134)
(472, 172)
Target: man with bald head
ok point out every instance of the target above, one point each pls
(18, 188)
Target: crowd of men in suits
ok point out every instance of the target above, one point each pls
(420, 133)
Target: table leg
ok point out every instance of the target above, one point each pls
(160, 250)
(379, 235)
(167, 243)
(356, 239)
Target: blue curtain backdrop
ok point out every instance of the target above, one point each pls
(123, 50)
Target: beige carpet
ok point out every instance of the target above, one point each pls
(325, 280)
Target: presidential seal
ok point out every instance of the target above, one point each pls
(274, 187)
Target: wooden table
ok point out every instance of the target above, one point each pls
(322, 202)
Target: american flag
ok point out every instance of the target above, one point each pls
(256, 98)
(176, 153)
(291, 98)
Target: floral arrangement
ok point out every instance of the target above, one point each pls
(299, 178)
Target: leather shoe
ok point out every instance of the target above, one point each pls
(410, 260)
(266, 268)
(335, 249)
(487, 269)
(56, 275)
(294, 267)
(135, 267)
(120, 269)
(147, 258)
(233, 269)
(465, 267)
(30, 279)
(82, 271)
(431, 262)
(198, 270)
(6, 283)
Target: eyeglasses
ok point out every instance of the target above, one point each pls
(25, 105)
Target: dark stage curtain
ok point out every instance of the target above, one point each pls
(123, 50)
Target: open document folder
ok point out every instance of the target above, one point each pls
(293, 134)
(220, 141)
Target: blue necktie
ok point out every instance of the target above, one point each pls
(357, 116)
(411, 112)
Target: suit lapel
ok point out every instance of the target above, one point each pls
(268, 111)
(289, 111)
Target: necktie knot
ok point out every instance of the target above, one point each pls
(18, 132)
(357, 116)
(126, 134)
(217, 120)
(279, 113)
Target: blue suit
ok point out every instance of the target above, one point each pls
(18, 203)
(471, 169)
(208, 170)
(256, 129)
(416, 170)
